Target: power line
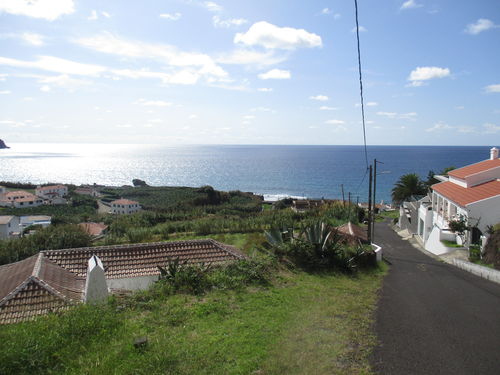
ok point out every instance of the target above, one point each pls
(361, 83)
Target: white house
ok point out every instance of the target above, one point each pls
(26, 221)
(124, 207)
(51, 191)
(19, 199)
(471, 192)
(9, 227)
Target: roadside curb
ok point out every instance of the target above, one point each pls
(476, 269)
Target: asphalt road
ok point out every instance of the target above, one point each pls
(433, 318)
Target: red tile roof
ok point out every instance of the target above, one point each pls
(354, 231)
(124, 201)
(94, 229)
(474, 168)
(123, 261)
(36, 286)
(50, 187)
(53, 279)
(464, 196)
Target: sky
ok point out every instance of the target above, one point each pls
(250, 72)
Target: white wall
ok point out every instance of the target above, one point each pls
(487, 211)
(132, 283)
(11, 226)
(485, 176)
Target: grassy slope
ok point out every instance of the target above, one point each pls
(304, 324)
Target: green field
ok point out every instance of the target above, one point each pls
(299, 324)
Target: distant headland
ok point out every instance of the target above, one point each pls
(3, 145)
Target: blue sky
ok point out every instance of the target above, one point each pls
(249, 72)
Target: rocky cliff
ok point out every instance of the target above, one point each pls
(2, 144)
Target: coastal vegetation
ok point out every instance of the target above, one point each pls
(262, 319)
(302, 302)
(408, 185)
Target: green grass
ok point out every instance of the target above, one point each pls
(450, 243)
(302, 324)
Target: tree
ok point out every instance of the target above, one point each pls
(430, 176)
(408, 185)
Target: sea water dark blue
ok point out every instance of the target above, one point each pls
(309, 171)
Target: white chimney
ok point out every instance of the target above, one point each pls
(494, 153)
(96, 289)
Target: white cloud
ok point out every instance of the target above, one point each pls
(326, 11)
(45, 88)
(63, 81)
(442, 126)
(212, 7)
(5, 92)
(265, 89)
(93, 16)
(493, 88)
(227, 23)
(276, 74)
(261, 109)
(55, 64)
(250, 57)
(46, 9)
(27, 37)
(362, 29)
(33, 39)
(3, 77)
(411, 4)
(270, 36)
(335, 122)
(491, 128)
(192, 117)
(171, 55)
(425, 73)
(395, 115)
(481, 25)
(153, 103)
(326, 108)
(321, 98)
(439, 126)
(106, 14)
(387, 114)
(171, 16)
(249, 117)
(372, 104)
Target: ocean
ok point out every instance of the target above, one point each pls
(273, 171)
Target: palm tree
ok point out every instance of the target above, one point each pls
(407, 185)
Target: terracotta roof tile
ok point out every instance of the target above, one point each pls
(50, 187)
(124, 261)
(464, 196)
(54, 279)
(124, 201)
(475, 168)
(94, 229)
(353, 230)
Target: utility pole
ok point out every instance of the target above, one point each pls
(349, 194)
(374, 200)
(343, 197)
(369, 207)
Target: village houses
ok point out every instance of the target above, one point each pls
(124, 207)
(470, 193)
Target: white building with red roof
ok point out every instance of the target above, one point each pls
(124, 207)
(51, 191)
(472, 193)
(19, 199)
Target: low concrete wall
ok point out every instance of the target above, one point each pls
(476, 269)
(132, 283)
(378, 252)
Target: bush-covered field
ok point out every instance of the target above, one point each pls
(293, 323)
